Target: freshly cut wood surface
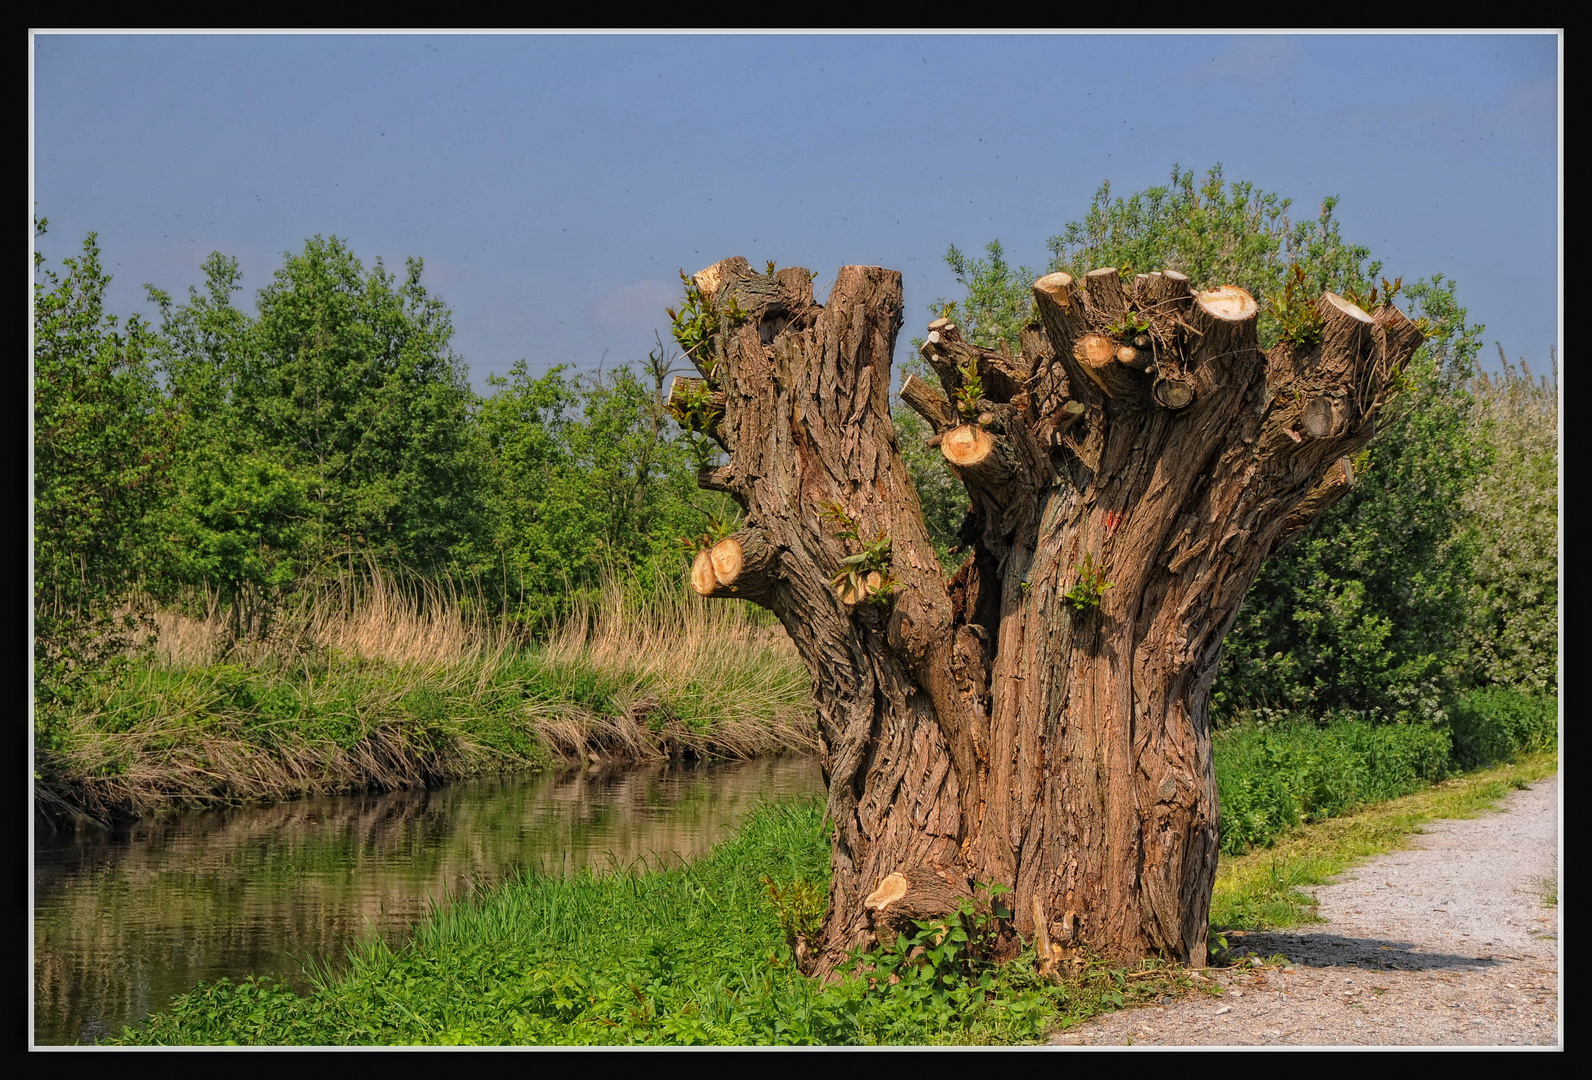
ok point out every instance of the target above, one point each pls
(967, 444)
(703, 579)
(726, 559)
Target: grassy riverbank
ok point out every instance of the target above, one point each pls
(390, 689)
(702, 954)
(688, 956)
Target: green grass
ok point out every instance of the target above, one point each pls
(696, 955)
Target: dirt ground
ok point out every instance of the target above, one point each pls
(1454, 942)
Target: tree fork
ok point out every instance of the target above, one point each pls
(1040, 718)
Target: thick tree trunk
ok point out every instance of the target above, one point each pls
(1040, 719)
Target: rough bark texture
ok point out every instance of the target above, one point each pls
(1012, 723)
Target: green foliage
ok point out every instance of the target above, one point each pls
(717, 530)
(971, 392)
(1129, 326)
(696, 322)
(864, 575)
(336, 424)
(1500, 722)
(102, 448)
(1511, 632)
(1219, 233)
(944, 975)
(1270, 777)
(345, 405)
(693, 406)
(1295, 314)
(352, 377)
(1089, 585)
(591, 476)
(799, 907)
(1215, 232)
(997, 301)
(1369, 302)
(237, 523)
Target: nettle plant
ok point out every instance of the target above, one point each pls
(940, 956)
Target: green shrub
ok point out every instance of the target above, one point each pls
(1494, 725)
(1272, 776)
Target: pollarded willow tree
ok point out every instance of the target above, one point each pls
(1040, 719)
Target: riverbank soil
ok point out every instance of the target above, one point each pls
(1453, 942)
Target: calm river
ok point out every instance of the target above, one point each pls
(122, 922)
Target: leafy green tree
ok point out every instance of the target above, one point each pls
(239, 517)
(351, 376)
(341, 411)
(1513, 625)
(237, 523)
(102, 444)
(523, 422)
(593, 477)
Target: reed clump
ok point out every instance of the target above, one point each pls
(374, 682)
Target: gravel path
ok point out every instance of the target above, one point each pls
(1448, 943)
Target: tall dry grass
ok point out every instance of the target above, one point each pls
(375, 616)
(377, 682)
(672, 654)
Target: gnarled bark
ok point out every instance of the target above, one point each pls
(1026, 721)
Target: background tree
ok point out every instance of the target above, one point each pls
(590, 477)
(238, 520)
(336, 420)
(102, 442)
(1513, 597)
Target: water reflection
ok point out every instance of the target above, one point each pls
(122, 923)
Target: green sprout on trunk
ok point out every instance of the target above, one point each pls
(865, 575)
(1090, 586)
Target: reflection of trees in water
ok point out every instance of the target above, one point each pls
(124, 922)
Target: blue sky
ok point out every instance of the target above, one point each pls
(554, 185)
